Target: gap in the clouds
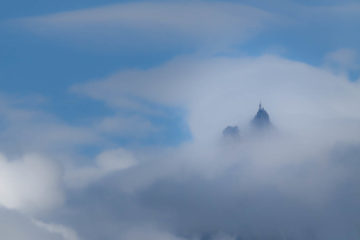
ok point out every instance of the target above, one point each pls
(31, 64)
(304, 43)
(354, 75)
(75, 109)
(34, 66)
(174, 128)
(169, 121)
(171, 130)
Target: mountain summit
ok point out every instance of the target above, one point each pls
(261, 119)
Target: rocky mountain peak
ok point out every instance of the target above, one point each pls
(261, 119)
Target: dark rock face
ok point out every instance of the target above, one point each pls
(259, 124)
(261, 119)
(231, 131)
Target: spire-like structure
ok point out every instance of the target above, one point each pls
(261, 119)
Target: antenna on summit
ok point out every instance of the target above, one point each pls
(260, 106)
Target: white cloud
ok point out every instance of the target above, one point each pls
(15, 226)
(289, 184)
(65, 232)
(30, 184)
(105, 163)
(160, 23)
(26, 129)
(220, 91)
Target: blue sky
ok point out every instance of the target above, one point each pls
(115, 109)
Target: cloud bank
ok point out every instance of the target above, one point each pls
(216, 92)
(296, 182)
